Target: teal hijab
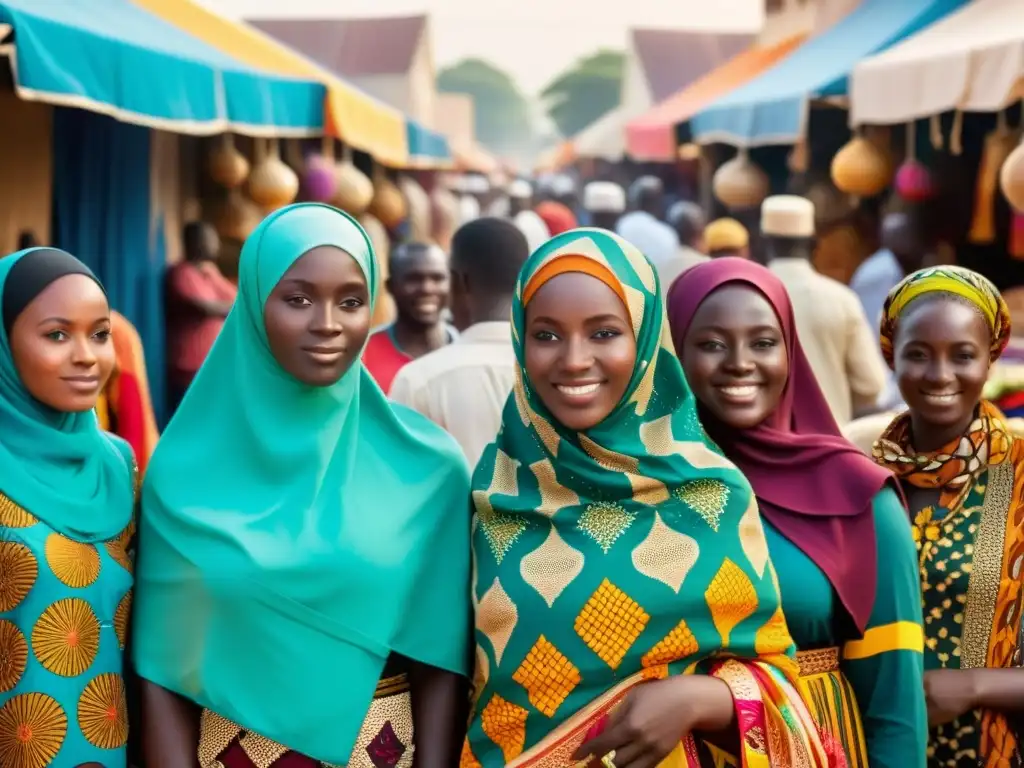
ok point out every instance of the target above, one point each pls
(292, 537)
(61, 467)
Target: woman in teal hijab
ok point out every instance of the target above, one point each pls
(66, 498)
(303, 583)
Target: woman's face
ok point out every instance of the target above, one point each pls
(61, 344)
(735, 357)
(941, 356)
(579, 349)
(318, 316)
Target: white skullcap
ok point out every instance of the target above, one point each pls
(562, 185)
(520, 189)
(787, 216)
(604, 197)
(475, 185)
(469, 209)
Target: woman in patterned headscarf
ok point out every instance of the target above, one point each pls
(616, 549)
(963, 473)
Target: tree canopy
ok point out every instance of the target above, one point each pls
(588, 89)
(501, 113)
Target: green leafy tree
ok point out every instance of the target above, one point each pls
(584, 92)
(502, 115)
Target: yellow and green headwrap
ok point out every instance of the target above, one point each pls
(956, 281)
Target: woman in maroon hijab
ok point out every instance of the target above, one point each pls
(837, 529)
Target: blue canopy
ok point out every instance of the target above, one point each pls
(112, 57)
(772, 108)
(427, 148)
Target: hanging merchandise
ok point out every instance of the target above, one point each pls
(1011, 176)
(236, 217)
(418, 204)
(914, 182)
(861, 168)
(319, 175)
(444, 215)
(384, 309)
(272, 184)
(387, 203)
(799, 158)
(739, 183)
(998, 146)
(354, 188)
(226, 165)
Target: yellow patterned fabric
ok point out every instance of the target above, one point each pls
(630, 552)
(966, 284)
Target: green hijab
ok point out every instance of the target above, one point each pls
(292, 537)
(61, 467)
(632, 548)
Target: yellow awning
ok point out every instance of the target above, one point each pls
(352, 116)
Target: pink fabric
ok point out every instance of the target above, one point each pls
(190, 334)
(811, 483)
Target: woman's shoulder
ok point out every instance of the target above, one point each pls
(433, 438)
(892, 520)
(127, 453)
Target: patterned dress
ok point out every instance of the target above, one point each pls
(65, 608)
(385, 740)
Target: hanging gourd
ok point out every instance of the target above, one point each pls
(444, 215)
(272, 184)
(236, 217)
(417, 202)
(739, 183)
(798, 159)
(319, 176)
(384, 308)
(914, 182)
(354, 190)
(1011, 178)
(226, 165)
(861, 168)
(387, 204)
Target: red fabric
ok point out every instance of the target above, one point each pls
(556, 216)
(129, 404)
(383, 359)
(811, 483)
(190, 334)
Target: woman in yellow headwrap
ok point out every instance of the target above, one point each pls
(963, 472)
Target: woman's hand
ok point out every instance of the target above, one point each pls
(950, 693)
(653, 719)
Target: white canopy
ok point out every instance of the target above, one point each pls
(971, 60)
(605, 138)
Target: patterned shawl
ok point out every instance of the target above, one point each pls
(630, 552)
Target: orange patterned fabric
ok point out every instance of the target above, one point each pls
(954, 467)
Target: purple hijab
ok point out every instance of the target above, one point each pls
(811, 483)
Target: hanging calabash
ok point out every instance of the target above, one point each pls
(1011, 178)
(444, 216)
(272, 184)
(226, 165)
(861, 168)
(319, 176)
(914, 182)
(739, 183)
(418, 204)
(354, 190)
(236, 217)
(387, 204)
(384, 308)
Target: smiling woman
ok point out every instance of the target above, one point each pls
(66, 498)
(617, 551)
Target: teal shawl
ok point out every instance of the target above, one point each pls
(61, 467)
(292, 537)
(633, 550)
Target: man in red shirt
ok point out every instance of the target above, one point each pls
(199, 297)
(418, 283)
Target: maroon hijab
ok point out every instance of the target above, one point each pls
(811, 483)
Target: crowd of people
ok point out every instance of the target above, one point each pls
(586, 500)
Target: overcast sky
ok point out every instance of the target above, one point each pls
(533, 40)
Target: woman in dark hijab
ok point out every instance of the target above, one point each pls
(837, 530)
(66, 499)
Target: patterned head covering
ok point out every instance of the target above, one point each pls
(583, 540)
(957, 281)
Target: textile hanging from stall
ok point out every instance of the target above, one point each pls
(101, 188)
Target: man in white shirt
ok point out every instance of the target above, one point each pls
(463, 387)
(687, 219)
(643, 226)
(840, 345)
(520, 200)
